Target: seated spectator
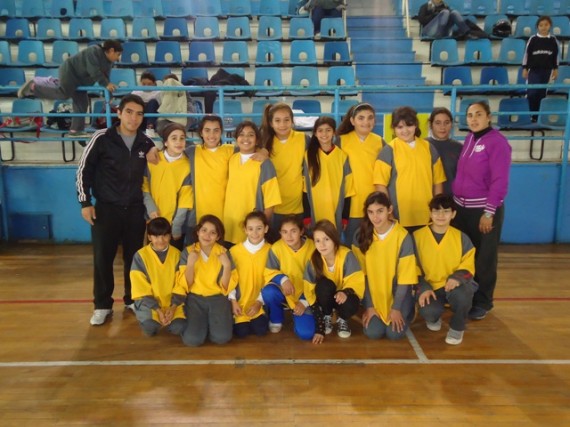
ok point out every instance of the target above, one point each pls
(439, 21)
(176, 102)
(151, 102)
(320, 9)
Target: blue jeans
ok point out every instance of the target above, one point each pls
(304, 325)
(442, 25)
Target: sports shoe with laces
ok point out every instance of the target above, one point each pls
(328, 324)
(100, 315)
(130, 307)
(343, 331)
(275, 327)
(454, 337)
(434, 326)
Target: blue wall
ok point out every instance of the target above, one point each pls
(530, 205)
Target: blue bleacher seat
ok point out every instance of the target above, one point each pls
(518, 114)
(310, 107)
(343, 106)
(17, 29)
(62, 9)
(269, 28)
(563, 78)
(47, 72)
(13, 77)
(121, 9)
(143, 28)
(89, 9)
(8, 9)
(236, 7)
(167, 53)
(269, 52)
(336, 53)
(301, 28)
(563, 7)
(193, 73)
(494, 75)
(513, 7)
(159, 72)
(148, 8)
(444, 52)
(512, 51)
(134, 54)
(48, 29)
(490, 21)
(176, 8)
(202, 53)
(206, 28)
(31, 53)
(561, 27)
(541, 7)
(33, 9)
(235, 52)
(478, 52)
(483, 7)
(175, 29)
(62, 50)
(113, 29)
(305, 76)
(457, 76)
(303, 52)
(81, 29)
(270, 8)
(268, 76)
(461, 6)
(21, 107)
(461, 115)
(123, 77)
(206, 8)
(258, 107)
(332, 28)
(230, 107)
(553, 113)
(237, 28)
(342, 75)
(525, 26)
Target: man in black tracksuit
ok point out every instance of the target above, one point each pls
(111, 169)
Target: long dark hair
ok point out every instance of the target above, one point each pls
(267, 132)
(210, 118)
(331, 232)
(313, 149)
(215, 221)
(409, 116)
(366, 230)
(346, 125)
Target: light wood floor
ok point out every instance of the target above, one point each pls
(513, 368)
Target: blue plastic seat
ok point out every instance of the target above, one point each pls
(269, 8)
(269, 52)
(12, 77)
(332, 29)
(159, 72)
(269, 28)
(8, 9)
(148, 8)
(541, 7)
(17, 29)
(236, 7)
(461, 115)
(513, 7)
(31, 53)
(301, 28)
(144, 28)
(514, 114)
(231, 115)
(167, 53)
(202, 53)
(268, 76)
(553, 113)
(478, 52)
(525, 26)
(21, 107)
(311, 106)
(563, 7)
(561, 27)
(512, 51)
(494, 75)
(444, 52)
(193, 73)
(237, 28)
(457, 76)
(123, 77)
(305, 76)
(206, 28)
(235, 53)
(134, 54)
(563, 78)
(303, 52)
(483, 7)
(48, 29)
(258, 107)
(121, 9)
(176, 8)
(211, 8)
(62, 9)
(336, 53)
(490, 21)
(175, 29)
(81, 29)
(461, 6)
(33, 9)
(343, 106)
(47, 72)
(113, 29)
(62, 50)
(342, 75)
(89, 9)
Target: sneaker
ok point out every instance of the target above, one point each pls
(100, 315)
(150, 133)
(477, 313)
(454, 337)
(434, 326)
(275, 327)
(130, 306)
(26, 89)
(78, 134)
(328, 324)
(343, 331)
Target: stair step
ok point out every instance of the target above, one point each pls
(412, 70)
(387, 101)
(381, 45)
(383, 57)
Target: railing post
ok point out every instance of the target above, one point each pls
(563, 173)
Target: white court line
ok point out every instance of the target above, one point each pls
(262, 362)
(416, 346)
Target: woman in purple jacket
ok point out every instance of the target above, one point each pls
(479, 190)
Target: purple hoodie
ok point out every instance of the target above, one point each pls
(482, 176)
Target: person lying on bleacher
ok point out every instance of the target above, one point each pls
(439, 21)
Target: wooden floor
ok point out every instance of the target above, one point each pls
(513, 368)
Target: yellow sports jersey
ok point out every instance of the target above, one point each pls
(440, 260)
(388, 263)
(346, 274)
(169, 185)
(207, 273)
(284, 260)
(409, 173)
(209, 178)
(287, 157)
(248, 277)
(152, 278)
(334, 185)
(361, 155)
(252, 185)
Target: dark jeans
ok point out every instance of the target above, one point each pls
(537, 76)
(258, 326)
(326, 290)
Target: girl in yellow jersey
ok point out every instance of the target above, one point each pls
(284, 277)
(386, 253)
(158, 303)
(409, 170)
(205, 270)
(333, 281)
(328, 178)
(167, 188)
(362, 146)
(286, 148)
(250, 258)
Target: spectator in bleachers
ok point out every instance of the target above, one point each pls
(439, 21)
(320, 9)
(151, 102)
(91, 65)
(540, 62)
(440, 124)
(172, 102)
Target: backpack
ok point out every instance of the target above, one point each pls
(61, 122)
(502, 28)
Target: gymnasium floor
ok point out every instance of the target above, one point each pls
(513, 368)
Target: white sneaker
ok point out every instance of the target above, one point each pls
(343, 330)
(328, 325)
(275, 327)
(435, 326)
(130, 306)
(100, 315)
(454, 337)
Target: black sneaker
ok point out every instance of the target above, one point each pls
(477, 313)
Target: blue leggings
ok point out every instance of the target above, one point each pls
(304, 325)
